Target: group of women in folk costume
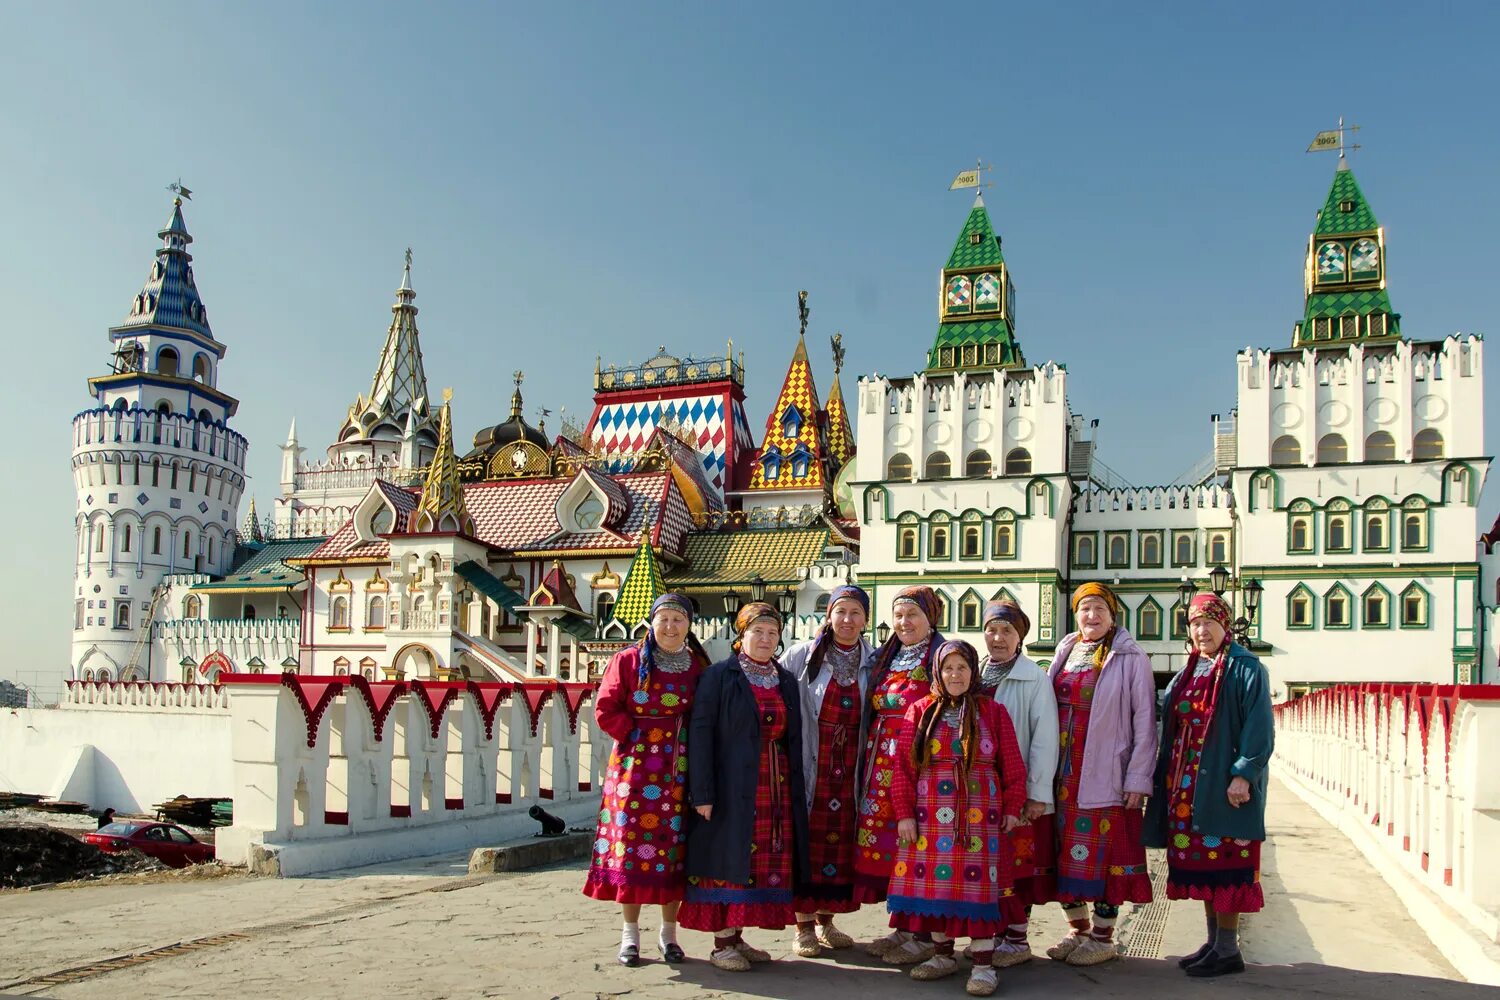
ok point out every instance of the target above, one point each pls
(762, 792)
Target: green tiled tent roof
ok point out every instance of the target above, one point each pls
(1333, 220)
(986, 253)
(716, 560)
(1360, 303)
(979, 331)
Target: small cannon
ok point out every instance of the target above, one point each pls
(552, 826)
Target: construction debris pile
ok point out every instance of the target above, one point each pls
(36, 855)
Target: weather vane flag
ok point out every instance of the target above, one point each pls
(1333, 138)
(971, 178)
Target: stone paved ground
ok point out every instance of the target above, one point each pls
(425, 929)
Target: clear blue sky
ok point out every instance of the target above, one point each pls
(599, 179)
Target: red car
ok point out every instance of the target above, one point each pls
(169, 844)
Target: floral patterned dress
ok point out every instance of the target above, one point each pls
(640, 843)
(1224, 872)
(904, 684)
(766, 900)
(1099, 852)
(831, 820)
(950, 879)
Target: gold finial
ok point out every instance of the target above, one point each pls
(448, 392)
(802, 312)
(838, 352)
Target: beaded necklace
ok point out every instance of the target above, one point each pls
(762, 675)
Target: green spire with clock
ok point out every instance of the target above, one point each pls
(976, 303)
(1345, 274)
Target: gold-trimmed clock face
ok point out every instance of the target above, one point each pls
(1364, 258)
(1331, 260)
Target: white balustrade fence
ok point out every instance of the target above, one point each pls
(1406, 771)
(330, 772)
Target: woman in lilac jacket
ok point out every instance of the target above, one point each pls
(1106, 707)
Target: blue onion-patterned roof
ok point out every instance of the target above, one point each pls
(169, 298)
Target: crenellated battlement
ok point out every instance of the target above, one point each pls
(107, 429)
(1155, 498)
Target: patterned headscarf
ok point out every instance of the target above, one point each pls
(647, 646)
(1100, 591)
(1106, 595)
(750, 614)
(942, 701)
(1008, 611)
(849, 592)
(844, 592)
(1212, 607)
(926, 600)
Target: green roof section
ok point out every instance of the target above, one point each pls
(263, 566)
(981, 331)
(983, 253)
(720, 559)
(1346, 210)
(486, 583)
(642, 586)
(1358, 303)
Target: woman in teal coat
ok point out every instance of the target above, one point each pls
(1208, 806)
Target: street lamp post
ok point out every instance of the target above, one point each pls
(1250, 591)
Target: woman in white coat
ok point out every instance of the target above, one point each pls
(833, 674)
(1023, 690)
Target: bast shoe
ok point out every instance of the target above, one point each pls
(909, 952)
(1092, 951)
(807, 945)
(830, 936)
(882, 946)
(751, 954)
(1060, 951)
(936, 967)
(982, 981)
(1007, 954)
(1214, 964)
(729, 959)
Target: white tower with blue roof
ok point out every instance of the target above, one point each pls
(157, 470)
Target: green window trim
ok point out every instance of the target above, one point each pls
(904, 531)
(1416, 590)
(1148, 607)
(1116, 540)
(1092, 538)
(1375, 592)
(936, 534)
(1301, 592)
(1381, 517)
(1338, 595)
(1178, 621)
(1424, 516)
(1192, 539)
(1224, 558)
(1141, 555)
(1310, 528)
(970, 611)
(966, 531)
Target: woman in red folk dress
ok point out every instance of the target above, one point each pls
(1106, 706)
(959, 789)
(833, 671)
(900, 675)
(1209, 805)
(643, 703)
(747, 848)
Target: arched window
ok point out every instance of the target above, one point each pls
(122, 614)
(166, 361)
(1182, 549)
(1148, 621)
(99, 538)
(588, 513)
(1018, 462)
(970, 608)
(791, 422)
(1117, 552)
(906, 542)
(801, 462)
(1427, 445)
(187, 545)
(1218, 548)
(124, 538)
(156, 540)
(338, 615)
(939, 466)
(770, 464)
(1332, 449)
(899, 467)
(375, 613)
(1005, 539)
(1286, 451)
(192, 606)
(1380, 447)
(939, 540)
(821, 607)
(200, 368)
(971, 542)
(1150, 549)
(604, 608)
(978, 464)
(382, 520)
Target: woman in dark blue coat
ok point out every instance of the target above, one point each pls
(746, 787)
(1208, 806)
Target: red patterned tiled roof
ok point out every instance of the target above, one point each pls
(521, 516)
